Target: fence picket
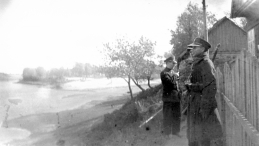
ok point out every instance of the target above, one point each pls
(239, 102)
(247, 87)
(253, 94)
(257, 94)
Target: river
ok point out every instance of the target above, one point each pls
(18, 100)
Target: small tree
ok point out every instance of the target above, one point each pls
(29, 74)
(128, 61)
(148, 69)
(88, 69)
(189, 26)
(78, 69)
(41, 73)
(143, 64)
(118, 61)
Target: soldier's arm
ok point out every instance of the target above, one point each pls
(208, 77)
(167, 79)
(208, 101)
(196, 87)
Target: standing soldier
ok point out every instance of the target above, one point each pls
(171, 99)
(203, 124)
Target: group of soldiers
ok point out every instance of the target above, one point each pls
(203, 124)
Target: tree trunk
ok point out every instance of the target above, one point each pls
(130, 90)
(148, 83)
(142, 89)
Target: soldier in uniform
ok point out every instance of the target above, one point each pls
(202, 122)
(171, 99)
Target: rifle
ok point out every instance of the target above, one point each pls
(150, 118)
(215, 53)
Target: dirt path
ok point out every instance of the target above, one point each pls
(177, 141)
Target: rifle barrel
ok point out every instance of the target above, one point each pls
(150, 118)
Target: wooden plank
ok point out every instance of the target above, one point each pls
(251, 91)
(247, 87)
(243, 136)
(221, 86)
(253, 95)
(226, 79)
(228, 116)
(245, 94)
(238, 143)
(226, 84)
(232, 129)
(254, 90)
(235, 128)
(245, 84)
(252, 133)
(233, 71)
(237, 77)
(257, 94)
(230, 126)
(246, 139)
(242, 81)
(227, 126)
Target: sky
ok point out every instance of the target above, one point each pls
(59, 33)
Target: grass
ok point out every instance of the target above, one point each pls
(122, 126)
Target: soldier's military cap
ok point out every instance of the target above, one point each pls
(171, 58)
(200, 42)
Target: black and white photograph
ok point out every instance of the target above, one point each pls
(129, 72)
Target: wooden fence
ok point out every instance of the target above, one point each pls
(238, 100)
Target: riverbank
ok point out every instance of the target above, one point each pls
(54, 116)
(113, 122)
(66, 126)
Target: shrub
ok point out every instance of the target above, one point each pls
(124, 121)
(29, 74)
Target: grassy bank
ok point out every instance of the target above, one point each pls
(122, 126)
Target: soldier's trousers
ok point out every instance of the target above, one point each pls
(171, 117)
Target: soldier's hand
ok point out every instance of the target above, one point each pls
(187, 86)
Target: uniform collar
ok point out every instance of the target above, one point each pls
(167, 69)
(200, 57)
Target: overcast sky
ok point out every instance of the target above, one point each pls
(56, 33)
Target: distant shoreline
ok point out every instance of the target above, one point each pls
(33, 82)
(43, 83)
(4, 77)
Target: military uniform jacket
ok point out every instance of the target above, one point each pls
(169, 82)
(202, 100)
